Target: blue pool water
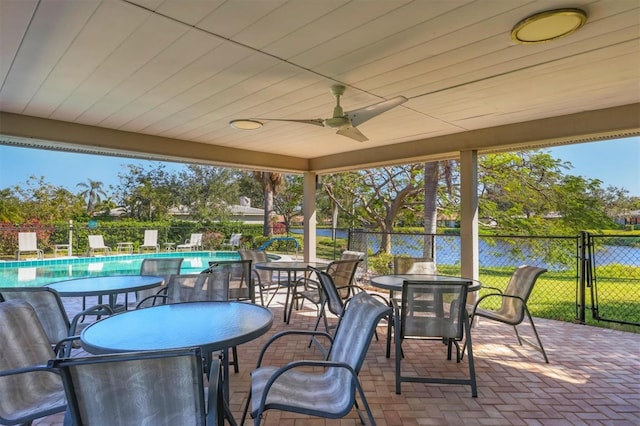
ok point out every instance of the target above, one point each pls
(32, 273)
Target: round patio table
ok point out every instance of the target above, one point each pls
(110, 285)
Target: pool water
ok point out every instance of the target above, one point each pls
(34, 273)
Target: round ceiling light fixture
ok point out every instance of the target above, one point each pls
(548, 25)
(245, 124)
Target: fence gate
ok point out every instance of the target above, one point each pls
(609, 271)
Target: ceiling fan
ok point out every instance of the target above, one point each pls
(345, 121)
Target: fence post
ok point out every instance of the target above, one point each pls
(584, 272)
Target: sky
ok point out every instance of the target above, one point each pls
(615, 163)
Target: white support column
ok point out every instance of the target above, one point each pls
(309, 213)
(469, 214)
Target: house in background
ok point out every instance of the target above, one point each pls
(242, 212)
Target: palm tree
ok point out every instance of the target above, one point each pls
(270, 183)
(92, 193)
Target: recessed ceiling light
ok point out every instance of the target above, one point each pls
(548, 25)
(245, 124)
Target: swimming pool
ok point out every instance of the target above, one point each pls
(34, 273)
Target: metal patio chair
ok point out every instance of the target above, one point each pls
(142, 388)
(96, 243)
(28, 389)
(51, 313)
(513, 304)
(28, 243)
(161, 266)
(150, 241)
(241, 282)
(265, 280)
(445, 319)
(330, 393)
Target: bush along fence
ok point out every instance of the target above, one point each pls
(590, 278)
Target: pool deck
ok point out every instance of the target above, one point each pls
(593, 377)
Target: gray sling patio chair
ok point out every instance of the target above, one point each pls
(211, 286)
(162, 266)
(445, 319)
(513, 304)
(408, 265)
(241, 282)
(28, 390)
(51, 313)
(324, 292)
(142, 388)
(330, 393)
(265, 280)
(28, 243)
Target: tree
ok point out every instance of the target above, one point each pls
(270, 183)
(9, 207)
(208, 191)
(146, 193)
(379, 196)
(93, 193)
(44, 202)
(288, 201)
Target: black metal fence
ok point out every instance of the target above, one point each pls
(584, 273)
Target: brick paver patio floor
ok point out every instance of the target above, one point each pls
(593, 377)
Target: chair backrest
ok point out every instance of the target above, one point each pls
(342, 272)
(235, 239)
(96, 241)
(354, 332)
(27, 241)
(433, 310)
(213, 286)
(24, 343)
(151, 388)
(352, 255)
(520, 285)
(413, 265)
(150, 237)
(195, 240)
(48, 308)
(240, 279)
(334, 301)
(162, 266)
(257, 256)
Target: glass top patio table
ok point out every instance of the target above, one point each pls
(290, 267)
(394, 282)
(110, 285)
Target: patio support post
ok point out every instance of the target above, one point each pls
(309, 213)
(469, 214)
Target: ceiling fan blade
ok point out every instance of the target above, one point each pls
(314, 121)
(361, 115)
(353, 133)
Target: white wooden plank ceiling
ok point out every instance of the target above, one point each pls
(182, 69)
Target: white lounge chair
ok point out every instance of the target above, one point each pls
(233, 242)
(195, 242)
(150, 241)
(28, 243)
(96, 243)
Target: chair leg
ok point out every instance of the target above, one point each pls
(236, 367)
(540, 348)
(472, 369)
(246, 407)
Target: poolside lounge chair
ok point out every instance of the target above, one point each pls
(96, 243)
(233, 242)
(28, 243)
(150, 241)
(194, 242)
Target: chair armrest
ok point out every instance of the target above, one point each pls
(63, 347)
(287, 333)
(29, 369)
(96, 310)
(154, 297)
